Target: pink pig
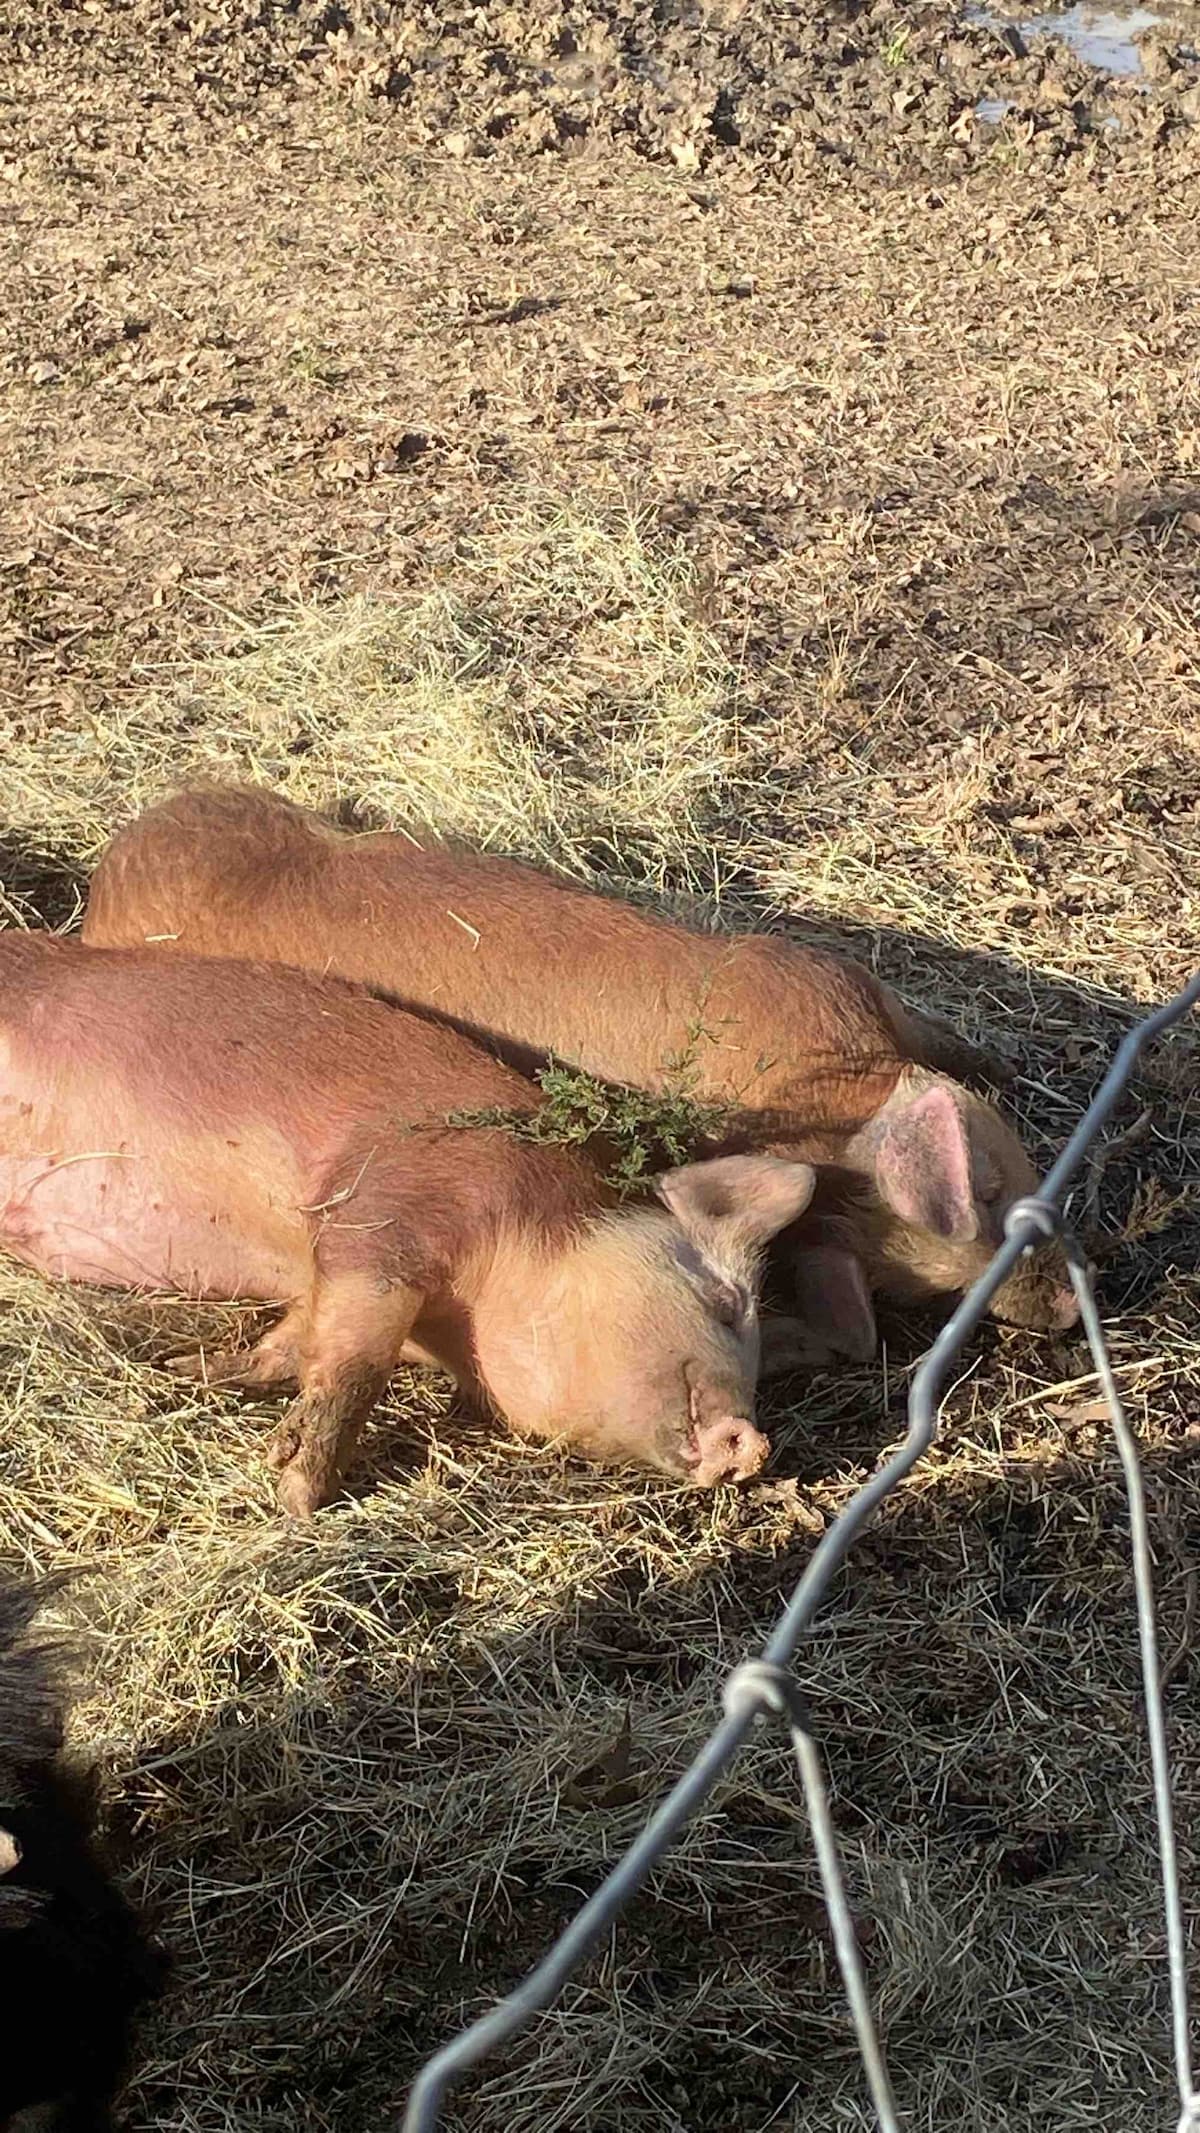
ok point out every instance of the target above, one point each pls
(227, 1129)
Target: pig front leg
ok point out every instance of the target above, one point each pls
(833, 1312)
(355, 1333)
(787, 1344)
(273, 1360)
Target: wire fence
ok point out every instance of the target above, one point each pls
(764, 1687)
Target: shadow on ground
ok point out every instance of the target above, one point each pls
(359, 1861)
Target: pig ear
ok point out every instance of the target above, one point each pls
(749, 1198)
(923, 1165)
(833, 1302)
(10, 1850)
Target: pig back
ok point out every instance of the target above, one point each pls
(518, 958)
(198, 1124)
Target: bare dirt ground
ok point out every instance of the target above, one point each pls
(691, 445)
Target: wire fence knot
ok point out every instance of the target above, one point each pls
(1035, 1213)
(757, 1686)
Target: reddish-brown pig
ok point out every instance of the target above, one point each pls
(818, 1058)
(228, 1129)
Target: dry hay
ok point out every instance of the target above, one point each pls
(363, 1772)
(810, 556)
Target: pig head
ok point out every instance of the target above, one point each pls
(639, 1344)
(937, 1171)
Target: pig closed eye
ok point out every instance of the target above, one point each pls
(988, 1182)
(992, 1204)
(729, 1304)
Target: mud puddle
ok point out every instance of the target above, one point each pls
(1101, 37)
(1104, 38)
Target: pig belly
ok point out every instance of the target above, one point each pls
(120, 1222)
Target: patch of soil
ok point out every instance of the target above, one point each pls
(863, 85)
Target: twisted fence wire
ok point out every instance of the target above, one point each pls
(765, 1687)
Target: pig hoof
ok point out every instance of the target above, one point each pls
(193, 1367)
(283, 1446)
(220, 1366)
(297, 1495)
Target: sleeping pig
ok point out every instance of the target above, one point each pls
(816, 1058)
(226, 1129)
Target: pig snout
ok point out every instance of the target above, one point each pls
(1064, 1308)
(727, 1449)
(1042, 1302)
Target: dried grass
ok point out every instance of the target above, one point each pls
(902, 576)
(343, 1760)
(621, 733)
